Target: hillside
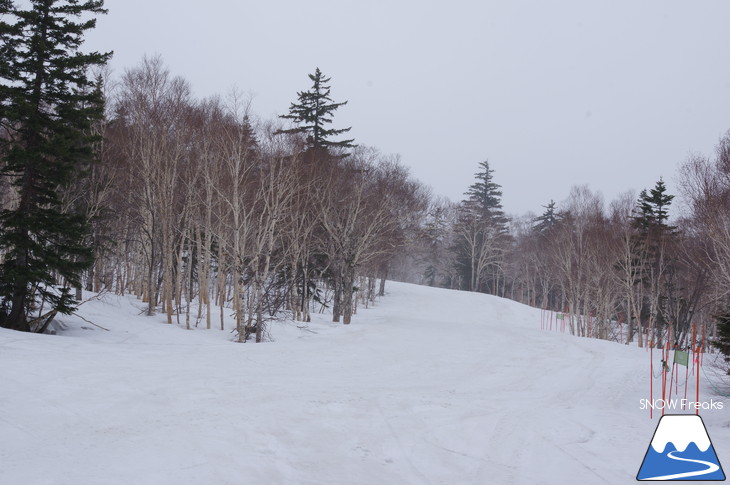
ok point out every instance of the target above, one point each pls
(427, 387)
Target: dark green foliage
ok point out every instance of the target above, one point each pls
(545, 223)
(723, 333)
(485, 197)
(314, 112)
(47, 106)
(653, 209)
(656, 262)
(482, 230)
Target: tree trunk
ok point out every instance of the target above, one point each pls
(337, 298)
(348, 285)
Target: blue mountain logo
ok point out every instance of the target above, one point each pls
(681, 450)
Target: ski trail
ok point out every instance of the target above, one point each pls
(712, 468)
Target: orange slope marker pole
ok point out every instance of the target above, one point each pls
(692, 346)
(664, 377)
(697, 385)
(651, 383)
(671, 374)
(686, 381)
(675, 374)
(664, 381)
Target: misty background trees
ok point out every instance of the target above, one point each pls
(625, 271)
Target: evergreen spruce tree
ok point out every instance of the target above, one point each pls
(654, 262)
(313, 113)
(548, 219)
(485, 197)
(47, 105)
(723, 334)
(482, 230)
(653, 209)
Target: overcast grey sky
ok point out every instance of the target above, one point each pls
(612, 94)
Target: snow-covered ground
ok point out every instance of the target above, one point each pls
(428, 387)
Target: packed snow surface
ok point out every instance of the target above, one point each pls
(428, 386)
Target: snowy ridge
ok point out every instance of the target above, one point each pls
(680, 430)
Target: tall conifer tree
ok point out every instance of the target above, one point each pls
(653, 209)
(654, 262)
(485, 196)
(48, 102)
(545, 222)
(313, 113)
(482, 233)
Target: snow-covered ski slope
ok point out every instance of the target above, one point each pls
(428, 387)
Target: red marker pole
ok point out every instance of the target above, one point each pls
(664, 377)
(664, 381)
(671, 376)
(697, 386)
(686, 381)
(651, 383)
(692, 346)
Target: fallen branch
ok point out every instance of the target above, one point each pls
(94, 324)
(41, 323)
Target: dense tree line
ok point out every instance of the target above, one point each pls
(619, 272)
(130, 184)
(208, 208)
(197, 207)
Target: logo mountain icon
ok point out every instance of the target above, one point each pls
(681, 450)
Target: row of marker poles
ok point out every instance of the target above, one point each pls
(697, 349)
(547, 317)
(651, 376)
(546, 323)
